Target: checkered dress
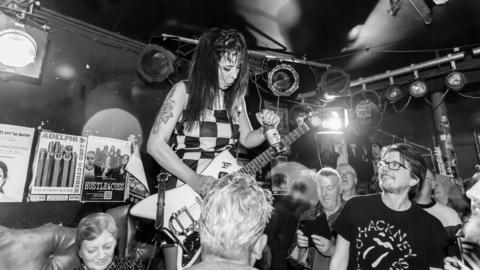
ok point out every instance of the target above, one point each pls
(197, 147)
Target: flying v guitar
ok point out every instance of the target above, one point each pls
(182, 204)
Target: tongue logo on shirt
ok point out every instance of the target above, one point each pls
(382, 246)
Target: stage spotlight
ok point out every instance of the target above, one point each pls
(22, 47)
(455, 80)
(330, 120)
(417, 88)
(327, 98)
(394, 93)
(155, 63)
(335, 82)
(283, 80)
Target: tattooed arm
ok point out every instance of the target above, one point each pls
(162, 129)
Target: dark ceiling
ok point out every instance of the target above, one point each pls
(359, 36)
(317, 30)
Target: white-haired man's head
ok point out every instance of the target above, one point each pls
(234, 214)
(348, 176)
(329, 189)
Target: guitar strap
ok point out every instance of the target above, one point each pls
(162, 179)
(235, 145)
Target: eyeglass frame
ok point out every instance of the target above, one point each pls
(382, 163)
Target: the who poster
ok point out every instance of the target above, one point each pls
(15, 150)
(58, 167)
(105, 174)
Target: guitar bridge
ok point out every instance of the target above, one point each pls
(182, 222)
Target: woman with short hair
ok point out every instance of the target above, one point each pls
(96, 240)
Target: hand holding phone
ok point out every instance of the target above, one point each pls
(318, 226)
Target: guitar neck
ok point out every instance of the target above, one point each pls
(266, 156)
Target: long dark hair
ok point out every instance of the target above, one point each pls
(203, 76)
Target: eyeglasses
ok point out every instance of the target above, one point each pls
(393, 165)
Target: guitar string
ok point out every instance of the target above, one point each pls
(256, 163)
(192, 209)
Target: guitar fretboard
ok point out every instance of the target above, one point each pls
(266, 156)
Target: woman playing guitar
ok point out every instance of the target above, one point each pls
(206, 114)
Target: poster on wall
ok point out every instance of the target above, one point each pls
(15, 149)
(137, 179)
(58, 167)
(105, 173)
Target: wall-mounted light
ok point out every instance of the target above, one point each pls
(418, 87)
(17, 48)
(455, 80)
(394, 92)
(155, 63)
(283, 80)
(22, 47)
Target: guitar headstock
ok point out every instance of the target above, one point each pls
(305, 118)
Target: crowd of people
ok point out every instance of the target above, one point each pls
(402, 227)
(413, 218)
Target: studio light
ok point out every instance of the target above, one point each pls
(283, 80)
(22, 47)
(418, 87)
(155, 63)
(455, 80)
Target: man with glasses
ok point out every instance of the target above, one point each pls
(386, 230)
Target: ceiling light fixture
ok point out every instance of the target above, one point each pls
(418, 87)
(283, 80)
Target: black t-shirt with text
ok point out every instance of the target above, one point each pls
(381, 238)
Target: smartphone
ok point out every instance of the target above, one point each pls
(318, 226)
